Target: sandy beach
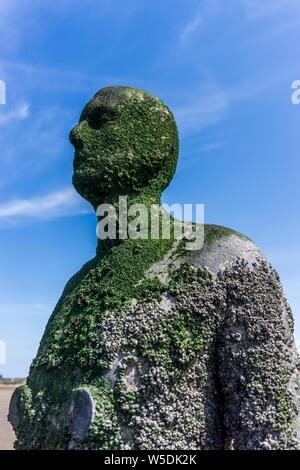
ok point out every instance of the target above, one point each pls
(7, 436)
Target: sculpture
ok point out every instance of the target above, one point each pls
(151, 346)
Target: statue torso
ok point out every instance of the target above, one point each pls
(148, 350)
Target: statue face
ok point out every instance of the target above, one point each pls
(126, 140)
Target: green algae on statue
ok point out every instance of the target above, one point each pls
(151, 346)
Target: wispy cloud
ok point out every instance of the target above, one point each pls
(20, 112)
(190, 28)
(204, 110)
(258, 9)
(211, 147)
(24, 309)
(192, 157)
(47, 78)
(35, 146)
(8, 30)
(19, 17)
(55, 204)
(212, 103)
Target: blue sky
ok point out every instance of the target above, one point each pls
(225, 68)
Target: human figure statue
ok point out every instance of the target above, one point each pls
(151, 345)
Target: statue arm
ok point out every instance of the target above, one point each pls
(258, 366)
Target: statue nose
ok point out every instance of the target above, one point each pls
(75, 138)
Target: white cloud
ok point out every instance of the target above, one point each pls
(55, 204)
(20, 112)
(190, 28)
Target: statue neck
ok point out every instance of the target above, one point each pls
(119, 216)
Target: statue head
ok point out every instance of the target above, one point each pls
(126, 142)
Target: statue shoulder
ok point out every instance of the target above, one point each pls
(222, 247)
(76, 279)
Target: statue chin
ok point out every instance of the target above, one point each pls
(90, 188)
